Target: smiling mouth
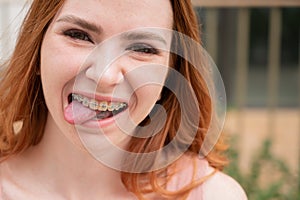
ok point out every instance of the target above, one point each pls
(101, 109)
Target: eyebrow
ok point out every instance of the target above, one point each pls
(138, 35)
(81, 22)
(143, 35)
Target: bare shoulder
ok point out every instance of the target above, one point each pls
(217, 185)
(222, 186)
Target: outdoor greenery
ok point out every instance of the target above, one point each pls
(269, 178)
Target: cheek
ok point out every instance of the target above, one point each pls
(59, 65)
(150, 94)
(53, 75)
(142, 102)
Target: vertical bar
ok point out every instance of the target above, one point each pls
(242, 56)
(242, 63)
(4, 15)
(212, 32)
(273, 65)
(299, 110)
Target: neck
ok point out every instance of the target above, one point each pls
(69, 170)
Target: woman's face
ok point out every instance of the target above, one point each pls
(98, 62)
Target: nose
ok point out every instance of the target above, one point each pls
(105, 68)
(107, 76)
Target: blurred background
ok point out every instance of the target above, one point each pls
(256, 46)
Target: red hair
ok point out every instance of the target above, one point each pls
(24, 100)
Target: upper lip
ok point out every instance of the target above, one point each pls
(100, 98)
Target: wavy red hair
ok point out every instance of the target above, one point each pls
(22, 99)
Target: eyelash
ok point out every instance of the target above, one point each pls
(139, 47)
(143, 48)
(78, 35)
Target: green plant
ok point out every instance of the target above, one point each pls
(269, 178)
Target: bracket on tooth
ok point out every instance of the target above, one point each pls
(103, 106)
(95, 105)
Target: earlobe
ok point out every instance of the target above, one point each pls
(17, 126)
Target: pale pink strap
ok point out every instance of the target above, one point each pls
(185, 175)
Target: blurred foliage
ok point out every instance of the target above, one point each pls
(269, 178)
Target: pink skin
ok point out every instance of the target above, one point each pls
(63, 61)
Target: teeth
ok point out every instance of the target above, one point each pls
(113, 106)
(85, 102)
(80, 99)
(95, 105)
(103, 106)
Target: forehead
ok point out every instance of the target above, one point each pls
(121, 15)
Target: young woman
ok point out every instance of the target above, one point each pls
(88, 84)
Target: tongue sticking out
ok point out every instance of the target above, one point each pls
(76, 113)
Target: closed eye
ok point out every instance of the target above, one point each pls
(142, 48)
(78, 35)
